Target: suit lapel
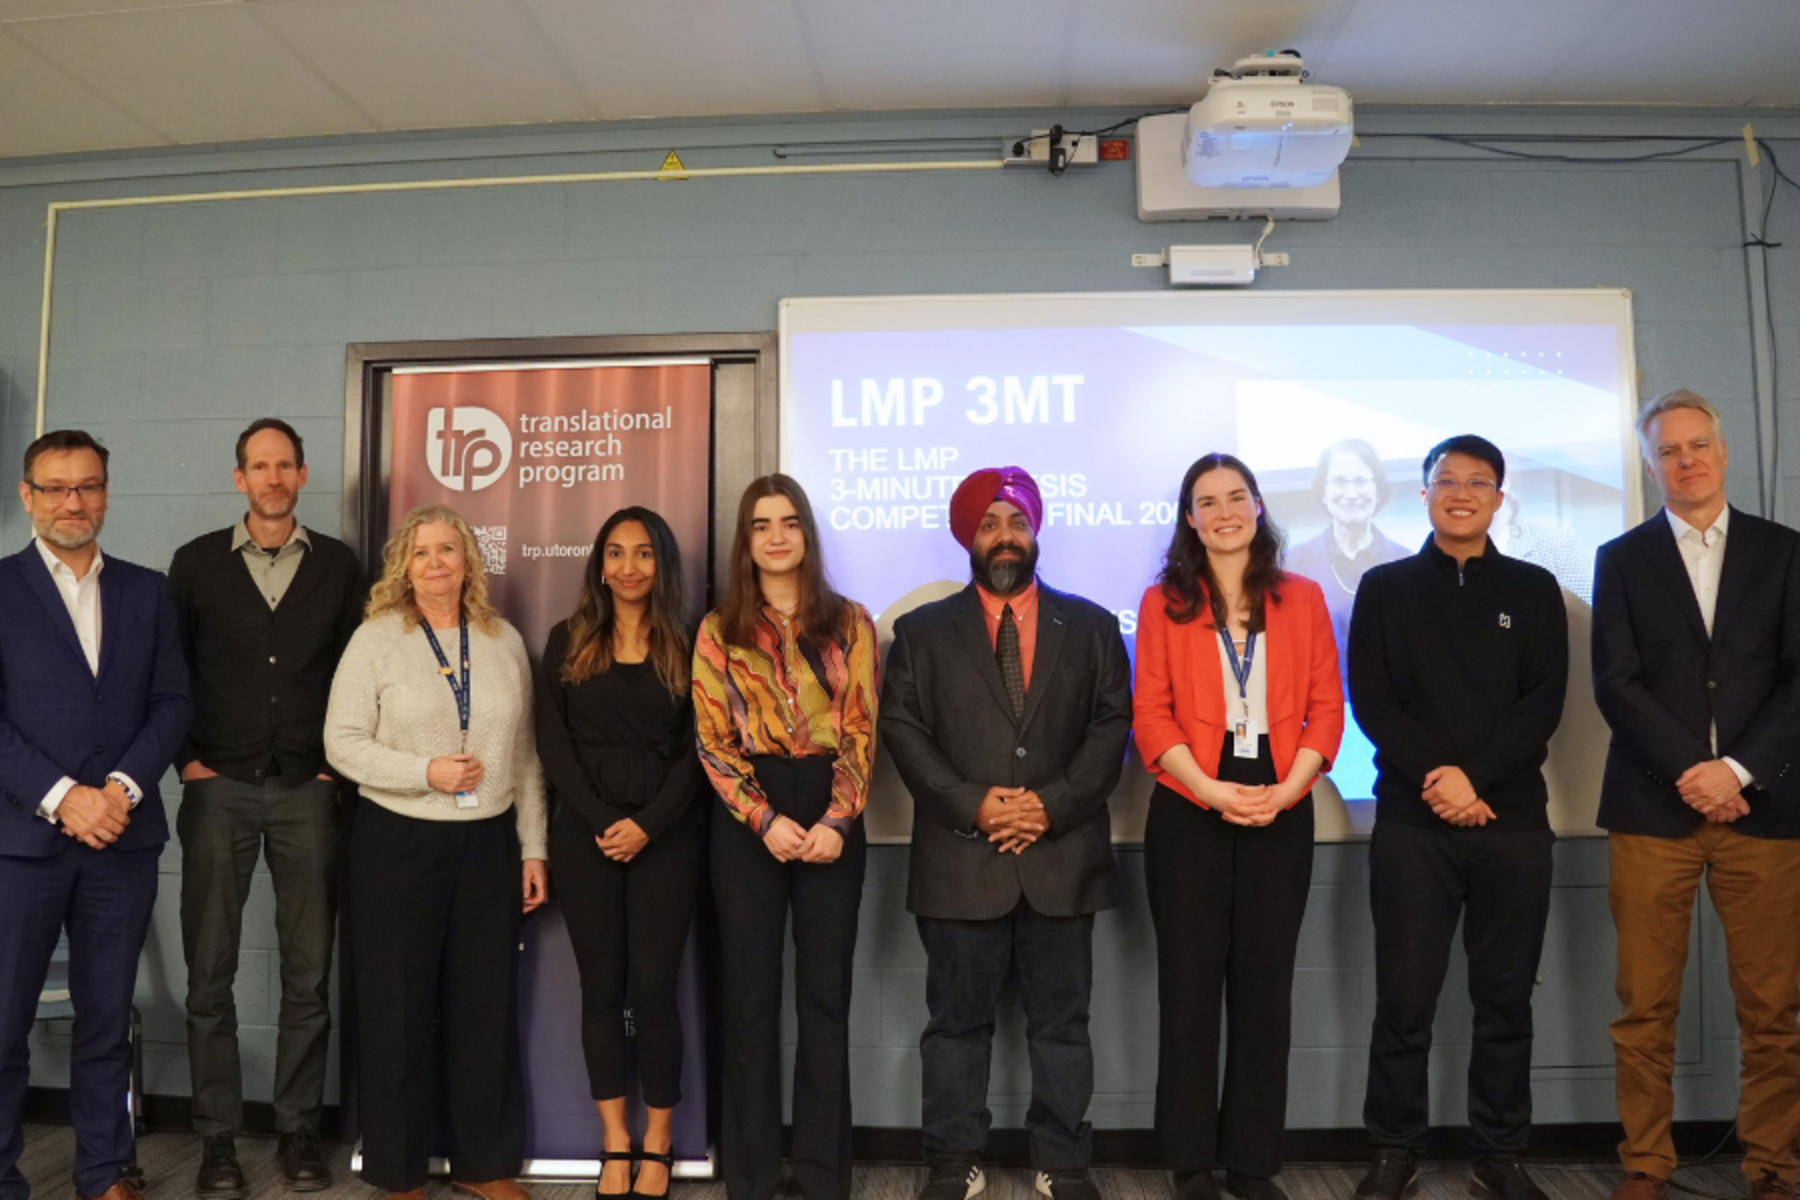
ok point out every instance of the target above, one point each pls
(972, 623)
(112, 616)
(31, 563)
(1665, 557)
(1052, 629)
(1735, 571)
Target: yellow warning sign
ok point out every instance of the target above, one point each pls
(672, 168)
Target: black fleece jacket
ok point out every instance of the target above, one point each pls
(1460, 666)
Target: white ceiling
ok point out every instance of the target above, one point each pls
(105, 74)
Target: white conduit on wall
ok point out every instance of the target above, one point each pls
(58, 207)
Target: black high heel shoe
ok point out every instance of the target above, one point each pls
(607, 1156)
(668, 1161)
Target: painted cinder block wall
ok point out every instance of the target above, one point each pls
(175, 326)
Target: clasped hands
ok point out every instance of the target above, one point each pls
(1452, 797)
(1012, 817)
(97, 816)
(788, 842)
(1712, 789)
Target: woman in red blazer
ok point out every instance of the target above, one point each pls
(1238, 707)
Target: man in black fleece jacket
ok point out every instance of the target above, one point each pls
(1459, 658)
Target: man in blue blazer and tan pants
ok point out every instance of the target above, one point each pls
(93, 704)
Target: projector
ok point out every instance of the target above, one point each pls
(1261, 143)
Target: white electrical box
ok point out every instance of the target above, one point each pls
(1212, 266)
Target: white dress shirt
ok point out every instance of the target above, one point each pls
(1703, 554)
(82, 598)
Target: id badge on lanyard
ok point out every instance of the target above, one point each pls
(461, 692)
(1244, 733)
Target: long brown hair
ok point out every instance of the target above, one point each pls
(393, 592)
(1187, 574)
(593, 621)
(822, 611)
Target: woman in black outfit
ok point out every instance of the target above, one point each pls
(616, 735)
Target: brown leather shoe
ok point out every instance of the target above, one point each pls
(1638, 1186)
(493, 1189)
(1771, 1187)
(415, 1194)
(123, 1190)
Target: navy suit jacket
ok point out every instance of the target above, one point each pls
(1662, 682)
(57, 718)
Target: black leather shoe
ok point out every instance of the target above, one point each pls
(1196, 1185)
(220, 1176)
(1253, 1187)
(1394, 1175)
(1503, 1179)
(302, 1165)
(953, 1177)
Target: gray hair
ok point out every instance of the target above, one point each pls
(1668, 403)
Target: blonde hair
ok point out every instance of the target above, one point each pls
(393, 592)
(1668, 403)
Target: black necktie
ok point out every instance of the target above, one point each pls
(1012, 667)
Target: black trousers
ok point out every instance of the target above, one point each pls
(753, 893)
(968, 962)
(629, 925)
(435, 934)
(1227, 901)
(224, 827)
(1420, 879)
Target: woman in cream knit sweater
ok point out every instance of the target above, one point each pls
(431, 715)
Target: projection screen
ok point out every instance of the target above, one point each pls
(1332, 398)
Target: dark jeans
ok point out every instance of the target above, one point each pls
(103, 898)
(1420, 879)
(753, 893)
(434, 931)
(1227, 901)
(224, 826)
(629, 925)
(968, 962)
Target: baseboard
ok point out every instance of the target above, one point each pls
(1590, 1142)
(169, 1113)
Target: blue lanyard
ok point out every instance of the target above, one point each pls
(1240, 670)
(460, 691)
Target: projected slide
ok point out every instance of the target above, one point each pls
(1331, 398)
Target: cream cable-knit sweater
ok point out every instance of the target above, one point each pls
(392, 712)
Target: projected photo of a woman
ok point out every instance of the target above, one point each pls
(1352, 486)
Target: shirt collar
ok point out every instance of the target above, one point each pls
(1720, 526)
(240, 536)
(57, 566)
(1022, 603)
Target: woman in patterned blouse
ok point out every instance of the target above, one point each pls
(784, 703)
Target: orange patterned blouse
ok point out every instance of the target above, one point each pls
(782, 697)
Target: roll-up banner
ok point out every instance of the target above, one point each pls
(535, 456)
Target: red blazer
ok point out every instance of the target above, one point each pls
(1180, 687)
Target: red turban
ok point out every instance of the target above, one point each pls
(974, 494)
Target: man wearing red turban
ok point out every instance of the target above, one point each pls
(1006, 709)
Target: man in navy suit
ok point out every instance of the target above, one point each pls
(1697, 670)
(93, 705)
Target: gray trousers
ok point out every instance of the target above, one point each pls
(1052, 960)
(224, 827)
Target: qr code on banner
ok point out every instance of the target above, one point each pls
(492, 540)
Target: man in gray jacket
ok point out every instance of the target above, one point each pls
(1006, 708)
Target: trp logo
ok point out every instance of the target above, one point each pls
(467, 448)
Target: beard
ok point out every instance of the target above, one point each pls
(1008, 575)
(70, 539)
(273, 505)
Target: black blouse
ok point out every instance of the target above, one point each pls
(616, 745)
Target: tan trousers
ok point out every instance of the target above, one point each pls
(1755, 886)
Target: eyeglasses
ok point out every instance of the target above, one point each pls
(56, 493)
(1481, 489)
(1350, 481)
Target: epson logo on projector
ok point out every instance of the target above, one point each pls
(467, 448)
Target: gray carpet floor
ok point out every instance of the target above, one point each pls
(170, 1160)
